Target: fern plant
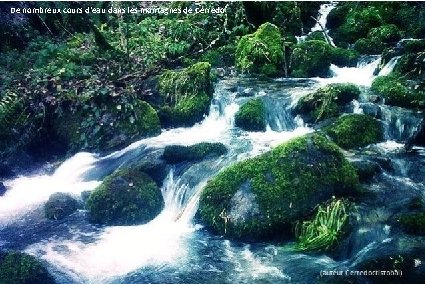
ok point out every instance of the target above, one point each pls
(324, 230)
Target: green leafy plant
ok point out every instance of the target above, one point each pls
(325, 229)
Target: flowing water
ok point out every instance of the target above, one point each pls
(174, 248)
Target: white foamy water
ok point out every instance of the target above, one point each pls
(388, 68)
(27, 193)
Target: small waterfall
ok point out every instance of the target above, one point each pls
(362, 74)
(388, 68)
(399, 124)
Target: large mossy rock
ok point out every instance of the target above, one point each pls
(326, 102)
(413, 223)
(378, 39)
(262, 196)
(21, 268)
(311, 59)
(126, 197)
(60, 205)
(187, 95)
(355, 130)
(105, 123)
(261, 52)
(251, 116)
(176, 153)
(396, 92)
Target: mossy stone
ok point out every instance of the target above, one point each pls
(261, 52)
(126, 197)
(326, 101)
(261, 197)
(17, 267)
(311, 59)
(187, 94)
(413, 223)
(355, 130)
(176, 153)
(60, 205)
(396, 92)
(342, 57)
(251, 116)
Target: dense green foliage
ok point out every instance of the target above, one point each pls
(325, 229)
(187, 94)
(60, 205)
(20, 268)
(355, 130)
(261, 52)
(124, 198)
(176, 153)
(326, 101)
(278, 188)
(251, 116)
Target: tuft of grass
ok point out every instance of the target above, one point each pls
(324, 230)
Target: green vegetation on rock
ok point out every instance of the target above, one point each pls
(126, 197)
(413, 223)
(251, 116)
(261, 52)
(326, 101)
(187, 94)
(395, 91)
(355, 130)
(176, 153)
(21, 268)
(60, 205)
(325, 229)
(311, 59)
(264, 195)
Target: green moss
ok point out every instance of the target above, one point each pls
(355, 130)
(59, 206)
(317, 35)
(251, 116)
(336, 16)
(187, 94)
(368, 46)
(311, 58)
(124, 198)
(386, 34)
(220, 57)
(176, 154)
(264, 195)
(396, 92)
(342, 57)
(17, 267)
(327, 101)
(325, 229)
(261, 52)
(413, 223)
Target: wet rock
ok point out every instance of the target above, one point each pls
(366, 169)
(418, 138)
(2, 189)
(176, 153)
(372, 110)
(263, 196)
(60, 205)
(245, 92)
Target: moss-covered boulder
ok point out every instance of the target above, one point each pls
(311, 59)
(176, 154)
(316, 35)
(60, 205)
(413, 223)
(261, 52)
(342, 57)
(17, 267)
(187, 95)
(251, 116)
(326, 102)
(124, 198)
(378, 39)
(368, 46)
(263, 196)
(105, 123)
(396, 91)
(355, 130)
